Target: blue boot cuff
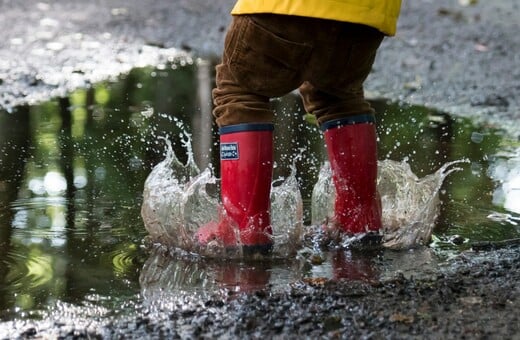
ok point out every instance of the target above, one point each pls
(246, 127)
(350, 120)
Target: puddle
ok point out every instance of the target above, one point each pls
(72, 173)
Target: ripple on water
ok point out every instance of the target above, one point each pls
(28, 268)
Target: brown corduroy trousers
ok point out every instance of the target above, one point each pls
(268, 55)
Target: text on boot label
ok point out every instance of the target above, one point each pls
(228, 151)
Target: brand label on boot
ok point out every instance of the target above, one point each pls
(228, 151)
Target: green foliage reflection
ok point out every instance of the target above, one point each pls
(72, 172)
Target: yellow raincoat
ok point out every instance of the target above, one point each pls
(381, 14)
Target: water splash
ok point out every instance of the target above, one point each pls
(410, 204)
(177, 202)
(323, 195)
(287, 214)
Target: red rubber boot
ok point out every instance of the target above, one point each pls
(246, 163)
(352, 150)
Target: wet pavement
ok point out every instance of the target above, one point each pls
(461, 59)
(456, 58)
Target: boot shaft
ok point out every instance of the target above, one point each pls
(352, 151)
(246, 163)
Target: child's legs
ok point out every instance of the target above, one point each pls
(258, 64)
(334, 78)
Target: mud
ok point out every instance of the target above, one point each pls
(459, 59)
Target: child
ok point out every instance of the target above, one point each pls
(326, 49)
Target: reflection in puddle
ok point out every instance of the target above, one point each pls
(72, 173)
(164, 275)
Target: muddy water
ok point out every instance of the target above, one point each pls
(72, 173)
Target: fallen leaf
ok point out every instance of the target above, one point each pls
(398, 317)
(471, 300)
(466, 3)
(481, 48)
(316, 281)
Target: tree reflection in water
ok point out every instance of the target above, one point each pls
(72, 172)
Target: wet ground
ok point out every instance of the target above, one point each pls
(476, 298)
(457, 58)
